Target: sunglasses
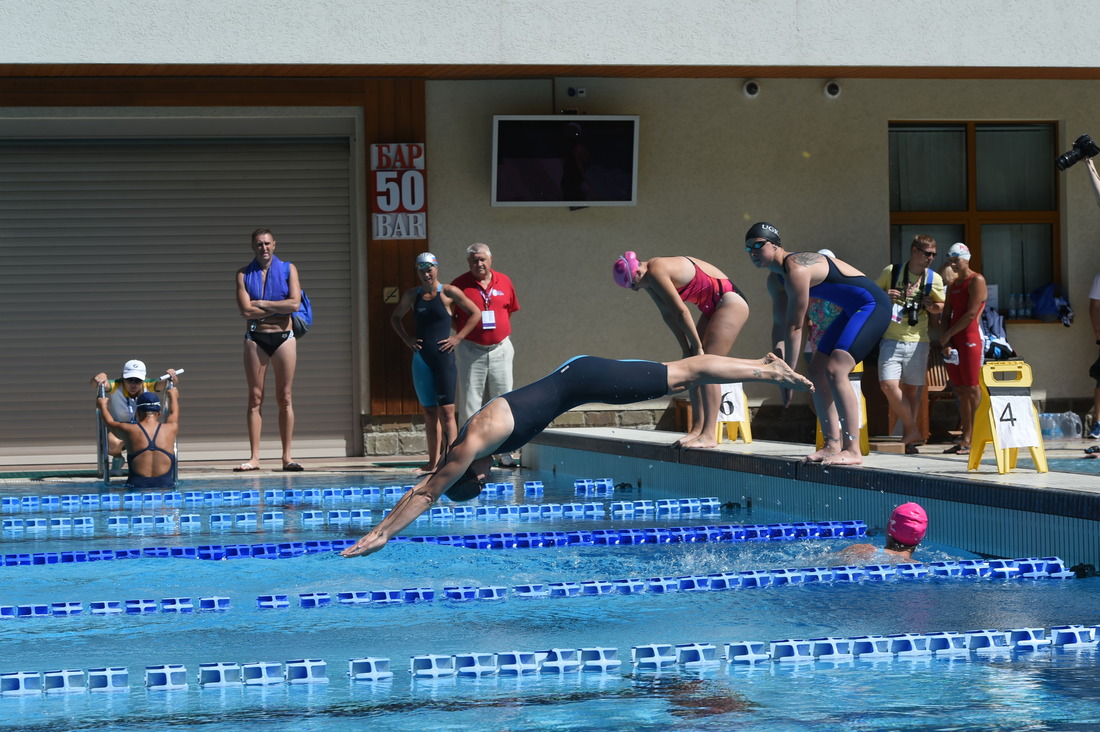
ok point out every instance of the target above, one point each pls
(927, 253)
(749, 248)
(132, 381)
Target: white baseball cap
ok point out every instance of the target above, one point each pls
(134, 370)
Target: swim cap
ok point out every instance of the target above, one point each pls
(465, 488)
(908, 523)
(959, 250)
(424, 260)
(763, 230)
(625, 267)
(827, 252)
(148, 402)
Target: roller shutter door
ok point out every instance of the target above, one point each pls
(118, 249)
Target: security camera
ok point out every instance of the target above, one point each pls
(831, 89)
(751, 89)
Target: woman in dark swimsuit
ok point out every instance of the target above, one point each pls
(672, 282)
(865, 313)
(434, 371)
(512, 419)
(151, 464)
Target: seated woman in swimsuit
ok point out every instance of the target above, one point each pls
(148, 441)
(511, 420)
(794, 278)
(672, 282)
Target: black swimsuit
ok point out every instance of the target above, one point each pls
(151, 481)
(580, 380)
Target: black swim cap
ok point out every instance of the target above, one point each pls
(763, 230)
(466, 488)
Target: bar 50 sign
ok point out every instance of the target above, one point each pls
(398, 198)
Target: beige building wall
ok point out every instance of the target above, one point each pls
(711, 163)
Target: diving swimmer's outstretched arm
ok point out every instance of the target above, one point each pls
(487, 429)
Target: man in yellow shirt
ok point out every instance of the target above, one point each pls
(916, 291)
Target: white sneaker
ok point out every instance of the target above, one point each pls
(1094, 433)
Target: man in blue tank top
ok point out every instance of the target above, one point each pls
(509, 421)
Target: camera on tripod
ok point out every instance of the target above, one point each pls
(1083, 147)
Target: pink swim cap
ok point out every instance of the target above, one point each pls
(625, 267)
(908, 523)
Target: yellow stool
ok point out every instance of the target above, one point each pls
(741, 426)
(1006, 416)
(856, 378)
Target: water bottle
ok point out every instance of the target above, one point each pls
(1012, 307)
(1029, 308)
(952, 357)
(1046, 425)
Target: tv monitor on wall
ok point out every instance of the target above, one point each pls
(565, 160)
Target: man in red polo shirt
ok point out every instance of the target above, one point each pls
(485, 356)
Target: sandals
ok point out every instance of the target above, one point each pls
(245, 468)
(293, 468)
(957, 450)
(911, 449)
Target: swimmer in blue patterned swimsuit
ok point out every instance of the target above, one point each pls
(509, 421)
(794, 278)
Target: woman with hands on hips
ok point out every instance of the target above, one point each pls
(433, 365)
(672, 282)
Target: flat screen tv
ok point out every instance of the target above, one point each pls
(565, 160)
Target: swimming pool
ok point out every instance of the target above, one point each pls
(989, 689)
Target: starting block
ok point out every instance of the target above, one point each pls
(733, 414)
(1006, 417)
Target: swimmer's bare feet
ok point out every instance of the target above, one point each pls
(820, 455)
(701, 443)
(845, 457)
(689, 437)
(784, 375)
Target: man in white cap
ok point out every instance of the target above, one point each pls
(122, 394)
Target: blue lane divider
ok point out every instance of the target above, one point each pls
(973, 645)
(1028, 568)
(223, 498)
(504, 540)
(20, 528)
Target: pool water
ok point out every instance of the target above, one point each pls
(1049, 688)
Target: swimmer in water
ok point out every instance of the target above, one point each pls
(905, 532)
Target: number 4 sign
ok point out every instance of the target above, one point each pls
(1015, 422)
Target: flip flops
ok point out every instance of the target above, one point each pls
(293, 468)
(957, 450)
(911, 450)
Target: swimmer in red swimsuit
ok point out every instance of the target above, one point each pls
(672, 282)
(965, 299)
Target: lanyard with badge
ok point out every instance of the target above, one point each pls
(488, 317)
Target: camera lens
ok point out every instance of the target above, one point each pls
(914, 316)
(1070, 158)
